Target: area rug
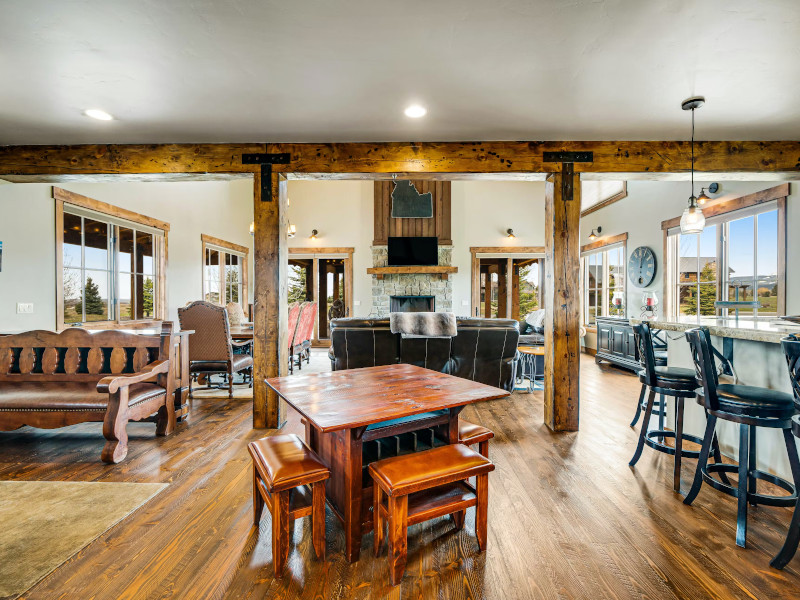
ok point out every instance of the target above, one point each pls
(43, 523)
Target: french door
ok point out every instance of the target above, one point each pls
(506, 285)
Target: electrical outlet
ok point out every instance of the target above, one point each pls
(24, 308)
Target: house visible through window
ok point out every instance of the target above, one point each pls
(224, 272)
(603, 283)
(110, 268)
(734, 258)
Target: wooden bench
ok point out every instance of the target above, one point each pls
(423, 486)
(284, 469)
(470, 434)
(50, 380)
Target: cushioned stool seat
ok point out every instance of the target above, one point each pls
(283, 469)
(470, 434)
(746, 399)
(423, 486)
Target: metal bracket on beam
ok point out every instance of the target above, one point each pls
(266, 161)
(568, 157)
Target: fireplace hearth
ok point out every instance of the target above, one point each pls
(412, 303)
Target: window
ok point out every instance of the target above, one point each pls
(603, 282)
(224, 271)
(507, 281)
(734, 258)
(112, 263)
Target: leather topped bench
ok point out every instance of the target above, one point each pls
(50, 380)
(470, 434)
(289, 478)
(423, 486)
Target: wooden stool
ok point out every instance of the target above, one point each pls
(283, 470)
(425, 485)
(470, 434)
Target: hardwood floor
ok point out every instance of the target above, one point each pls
(567, 517)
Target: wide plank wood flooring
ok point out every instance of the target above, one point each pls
(568, 518)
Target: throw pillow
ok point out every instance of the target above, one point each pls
(235, 313)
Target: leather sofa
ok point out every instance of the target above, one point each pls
(484, 350)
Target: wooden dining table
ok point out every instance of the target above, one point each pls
(343, 410)
(241, 333)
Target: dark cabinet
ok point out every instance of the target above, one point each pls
(616, 343)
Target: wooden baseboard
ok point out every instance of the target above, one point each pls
(589, 351)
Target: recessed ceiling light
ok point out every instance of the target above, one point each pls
(98, 114)
(415, 111)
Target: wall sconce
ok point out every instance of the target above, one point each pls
(253, 228)
(292, 230)
(703, 197)
(594, 234)
(510, 233)
(314, 233)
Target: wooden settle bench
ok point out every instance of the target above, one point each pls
(50, 380)
(425, 485)
(289, 478)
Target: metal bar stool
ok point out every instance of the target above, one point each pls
(668, 381)
(791, 348)
(751, 407)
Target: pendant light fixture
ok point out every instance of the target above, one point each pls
(693, 220)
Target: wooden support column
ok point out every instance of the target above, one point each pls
(502, 290)
(271, 323)
(562, 304)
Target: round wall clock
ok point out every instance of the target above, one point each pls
(642, 267)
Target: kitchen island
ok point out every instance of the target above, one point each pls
(752, 346)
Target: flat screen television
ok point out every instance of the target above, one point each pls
(413, 251)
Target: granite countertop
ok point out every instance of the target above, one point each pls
(756, 330)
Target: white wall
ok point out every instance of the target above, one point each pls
(650, 202)
(223, 209)
(482, 211)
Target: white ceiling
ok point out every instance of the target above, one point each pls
(299, 70)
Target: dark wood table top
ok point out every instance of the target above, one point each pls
(359, 397)
(241, 332)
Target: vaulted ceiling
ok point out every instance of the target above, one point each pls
(300, 70)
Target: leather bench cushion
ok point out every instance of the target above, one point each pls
(755, 401)
(56, 395)
(470, 433)
(240, 361)
(285, 462)
(402, 475)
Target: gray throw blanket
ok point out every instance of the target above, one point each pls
(423, 324)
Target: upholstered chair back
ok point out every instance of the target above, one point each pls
(211, 340)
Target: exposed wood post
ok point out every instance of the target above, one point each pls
(562, 304)
(271, 322)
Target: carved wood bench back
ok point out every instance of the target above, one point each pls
(76, 354)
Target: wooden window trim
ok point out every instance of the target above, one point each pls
(608, 241)
(510, 252)
(209, 240)
(608, 201)
(722, 207)
(61, 197)
(778, 193)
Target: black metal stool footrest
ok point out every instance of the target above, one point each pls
(752, 498)
(662, 447)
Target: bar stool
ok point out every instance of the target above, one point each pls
(791, 348)
(751, 407)
(659, 407)
(668, 381)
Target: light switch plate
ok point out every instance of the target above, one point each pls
(465, 303)
(356, 302)
(24, 308)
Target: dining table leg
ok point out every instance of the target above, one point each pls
(352, 493)
(452, 424)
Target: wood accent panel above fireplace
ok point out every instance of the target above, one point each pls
(438, 226)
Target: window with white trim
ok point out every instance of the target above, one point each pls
(735, 257)
(603, 283)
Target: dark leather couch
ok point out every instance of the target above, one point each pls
(484, 349)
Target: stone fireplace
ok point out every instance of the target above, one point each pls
(412, 303)
(427, 287)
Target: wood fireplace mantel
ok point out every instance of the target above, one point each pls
(379, 272)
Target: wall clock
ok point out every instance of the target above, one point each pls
(642, 267)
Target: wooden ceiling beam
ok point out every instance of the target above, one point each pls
(404, 157)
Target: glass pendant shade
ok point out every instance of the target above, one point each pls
(693, 220)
